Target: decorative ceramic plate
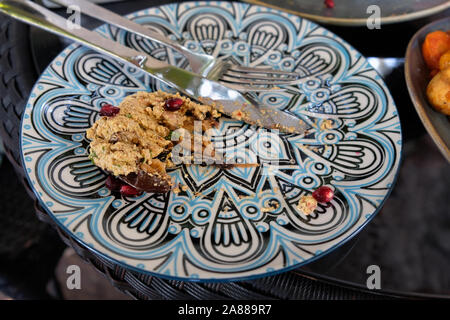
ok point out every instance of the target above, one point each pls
(417, 77)
(356, 12)
(229, 224)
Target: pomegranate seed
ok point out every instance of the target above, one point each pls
(174, 104)
(323, 194)
(113, 183)
(108, 110)
(129, 191)
(329, 4)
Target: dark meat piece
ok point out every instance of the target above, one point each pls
(148, 182)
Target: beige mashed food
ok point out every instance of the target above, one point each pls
(307, 204)
(137, 140)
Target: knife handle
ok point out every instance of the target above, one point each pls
(39, 16)
(114, 19)
(200, 63)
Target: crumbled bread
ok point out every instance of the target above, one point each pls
(307, 204)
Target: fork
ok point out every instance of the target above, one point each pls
(236, 77)
(238, 105)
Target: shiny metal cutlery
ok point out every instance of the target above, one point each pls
(226, 100)
(234, 76)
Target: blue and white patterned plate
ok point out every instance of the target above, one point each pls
(224, 234)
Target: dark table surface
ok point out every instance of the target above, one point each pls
(409, 239)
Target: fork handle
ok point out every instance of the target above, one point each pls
(201, 62)
(39, 16)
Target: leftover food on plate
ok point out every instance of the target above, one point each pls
(137, 141)
(308, 203)
(436, 53)
(134, 141)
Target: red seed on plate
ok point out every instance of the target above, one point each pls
(173, 104)
(108, 110)
(129, 191)
(323, 194)
(329, 4)
(113, 183)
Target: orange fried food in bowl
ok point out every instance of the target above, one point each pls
(438, 91)
(436, 53)
(435, 45)
(444, 61)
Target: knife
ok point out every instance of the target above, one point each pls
(226, 100)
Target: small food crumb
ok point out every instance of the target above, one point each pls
(326, 125)
(176, 190)
(197, 194)
(307, 204)
(240, 115)
(270, 207)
